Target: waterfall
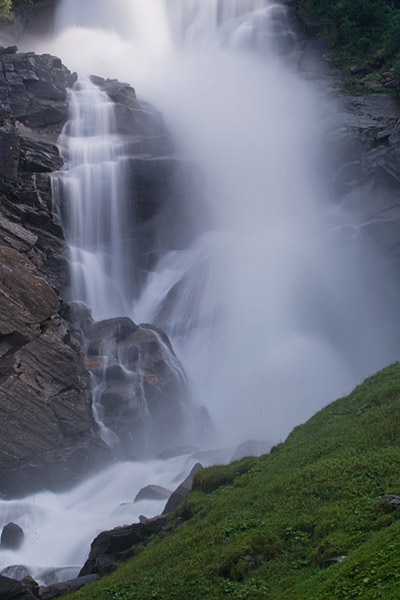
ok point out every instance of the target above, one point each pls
(272, 308)
(95, 218)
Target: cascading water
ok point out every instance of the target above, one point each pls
(95, 219)
(272, 310)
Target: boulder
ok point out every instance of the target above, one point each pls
(110, 548)
(178, 496)
(142, 385)
(10, 589)
(152, 492)
(12, 536)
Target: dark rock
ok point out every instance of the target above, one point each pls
(47, 434)
(111, 331)
(32, 585)
(8, 50)
(34, 90)
(9, 152)
(10, 589)
(140, 378)
(178, 496)
(120, 93)
(110, 548)
(152, 492)
(12, 536)
(38, 156)
(66, 587)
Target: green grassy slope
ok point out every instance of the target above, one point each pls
(262, 528)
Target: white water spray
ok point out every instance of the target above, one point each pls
(272, 313)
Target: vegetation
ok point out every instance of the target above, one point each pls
(362, 31)
(270, 528)
(5, 8)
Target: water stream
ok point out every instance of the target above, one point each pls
(271, 308)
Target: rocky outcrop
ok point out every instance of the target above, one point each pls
(48, 437)
(165, 192)
(33, 110)
(361, 143)
(152, 492)
(178, 496)
(141, 389)
(368, 174)
(110, 548)
(10, 589)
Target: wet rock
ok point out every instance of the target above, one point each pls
(18, 572)
(152, 492)
(33, 110)
(110, 548)
(33, 90)
(141, 383)
(11, 589)
(31, 585)
(47, 434)
(120, 93)
(178, 496)
(12, 536)
(67, 587)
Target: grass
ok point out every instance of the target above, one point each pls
(262, 528)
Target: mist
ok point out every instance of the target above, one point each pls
(282, 310)
(276, 309)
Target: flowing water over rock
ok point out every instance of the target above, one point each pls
(272, 310)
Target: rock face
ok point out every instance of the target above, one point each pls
(369, 173)
(165, 192)
(33, 110)
(48, 436)
(363, 143)
(47, 431)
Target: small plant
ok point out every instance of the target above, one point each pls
(5, 9)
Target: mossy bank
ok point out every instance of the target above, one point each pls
(309, 521)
